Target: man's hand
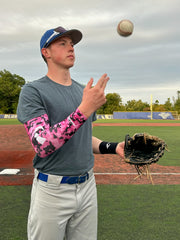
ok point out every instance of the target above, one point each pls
(93, 97)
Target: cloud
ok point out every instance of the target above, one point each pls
(147, 61)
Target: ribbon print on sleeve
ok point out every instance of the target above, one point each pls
(46, 139)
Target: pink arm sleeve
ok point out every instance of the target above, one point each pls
(45, 139)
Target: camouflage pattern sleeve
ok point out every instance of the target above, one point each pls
(46, 139)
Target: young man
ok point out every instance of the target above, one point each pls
(57, 113)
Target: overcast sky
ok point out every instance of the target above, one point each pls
(147, 62)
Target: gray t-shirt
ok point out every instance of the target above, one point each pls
(45, 96)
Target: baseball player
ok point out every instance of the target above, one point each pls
(57, 113)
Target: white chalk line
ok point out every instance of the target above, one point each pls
(18, 172)
(9, 171)
(136, 173)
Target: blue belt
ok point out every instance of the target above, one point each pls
(66, 179)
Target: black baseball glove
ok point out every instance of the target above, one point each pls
(143, 149)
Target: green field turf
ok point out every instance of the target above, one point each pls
(15, 121)
(136, 121)
(141, 212)
(9, 122)
(126, 212)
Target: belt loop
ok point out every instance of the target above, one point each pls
(36, 173)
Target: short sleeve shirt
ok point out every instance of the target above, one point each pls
(45, 96)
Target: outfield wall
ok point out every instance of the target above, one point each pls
(142, 115)
(117, 115)
(104, 116)
(8, 116)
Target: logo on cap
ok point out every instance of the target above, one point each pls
(52, 35)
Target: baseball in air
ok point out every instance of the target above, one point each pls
(125, 28)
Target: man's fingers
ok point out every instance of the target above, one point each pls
(102, 81)
(90, 83)
(105, 82)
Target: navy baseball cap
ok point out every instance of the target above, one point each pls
(52, 34)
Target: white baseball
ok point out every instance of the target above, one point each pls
(125, 28)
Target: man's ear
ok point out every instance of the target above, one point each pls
(44, 52)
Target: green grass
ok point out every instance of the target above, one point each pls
(138, 212)
(136, 121)
(9, 122)
(14, 202)
(171, 136)
(141, 212)
(15, 121)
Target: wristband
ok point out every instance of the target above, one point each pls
(108, 147)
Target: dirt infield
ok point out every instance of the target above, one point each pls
(16, 153)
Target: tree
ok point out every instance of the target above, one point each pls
(113, 103)
(134, 105)
(168, 105)
(177, 103)
(178, 93)
(10, 87)
(159, 108)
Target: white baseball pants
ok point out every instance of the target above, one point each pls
(63, 210)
